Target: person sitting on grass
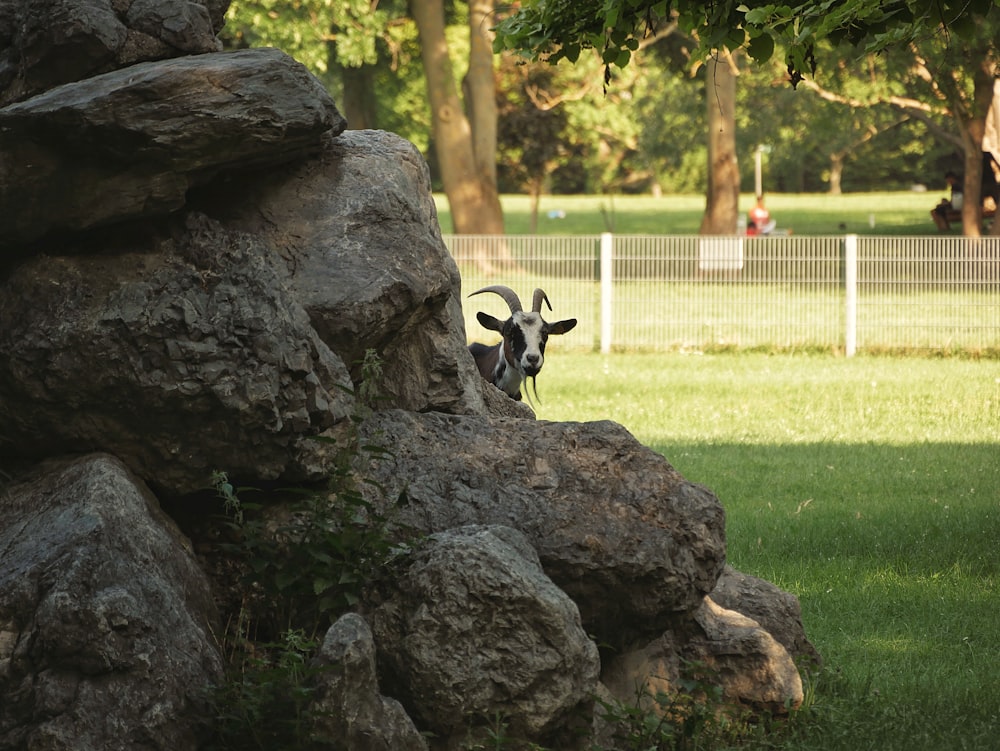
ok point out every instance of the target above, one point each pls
(760, 219)
(940, 212)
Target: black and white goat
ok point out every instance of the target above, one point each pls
(521, 353)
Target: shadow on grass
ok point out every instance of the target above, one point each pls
(892, 551)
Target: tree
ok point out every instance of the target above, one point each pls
(722, 198)
(475, 206)
(945, 85)
(351, 43)
(555, 31)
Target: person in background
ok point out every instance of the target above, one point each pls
(940, 212)
(990, 186)
(760, 218)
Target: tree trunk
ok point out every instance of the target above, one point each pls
(472, 210)
(836, 172)
(359, 97)
(479, 88)
(972, 123)
(723, 194)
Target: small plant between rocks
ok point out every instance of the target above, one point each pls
(306, 555)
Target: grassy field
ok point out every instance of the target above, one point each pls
(896, 213)
(869, 487)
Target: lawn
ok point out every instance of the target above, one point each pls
(869, 487)
(895, 213)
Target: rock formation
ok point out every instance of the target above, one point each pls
(196, 258)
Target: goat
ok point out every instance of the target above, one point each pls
(521, 352)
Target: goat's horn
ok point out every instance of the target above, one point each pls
(536, 301)
(509, 296)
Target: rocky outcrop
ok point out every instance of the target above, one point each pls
(105, 616)
(356, 228)
(778, 612)
(181, 359)
(131, 143)
(348, 705)
(45, 43)
(725, 649)
(473, 627)
(616, 527)
(196, 260)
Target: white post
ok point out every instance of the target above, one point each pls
(850, 295)
(607, 270)
(758, 183)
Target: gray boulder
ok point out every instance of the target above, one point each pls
(357, 229)
(348, 707)
(777, 611)
(131, 143)
(473, 629)
(730, 651)
(615, 526)
(105, 616)
(182, 358)
(46, 43)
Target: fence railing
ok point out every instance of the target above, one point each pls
(836, 293)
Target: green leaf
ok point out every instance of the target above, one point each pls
(321, 585)
(761, 48)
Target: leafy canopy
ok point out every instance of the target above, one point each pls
(553, 30)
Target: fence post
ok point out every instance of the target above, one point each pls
(607, 272)
(850, 295)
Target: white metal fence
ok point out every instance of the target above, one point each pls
(791, 292)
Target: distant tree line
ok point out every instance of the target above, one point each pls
(886, 109)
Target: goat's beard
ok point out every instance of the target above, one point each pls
(534, 388)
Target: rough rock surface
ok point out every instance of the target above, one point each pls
(777, 611)
(131, 143)
(732, 651)
(45, 43)
(348, 704)
(473, 627)
(104, 615)
(357, 228)
(616, 527)
(180, 360)
(752, 667)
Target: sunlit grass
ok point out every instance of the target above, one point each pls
(869, 487)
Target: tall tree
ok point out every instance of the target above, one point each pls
(723, 194)
(475, 208)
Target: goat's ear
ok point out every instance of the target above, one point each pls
(561, 327)
(491, 323)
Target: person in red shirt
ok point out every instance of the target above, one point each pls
(760, 217)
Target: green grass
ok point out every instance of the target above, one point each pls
(869, 487)
(895, 213)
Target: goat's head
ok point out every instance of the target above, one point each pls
(524, 334)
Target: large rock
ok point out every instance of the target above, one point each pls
(45, 43)
(131, 143)
(623, 533)
(348, 707)
(777, 611)
(717, 647)
(473, 629)
(749, 664)
(357, 228)
(182, 358)
(105, 637)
